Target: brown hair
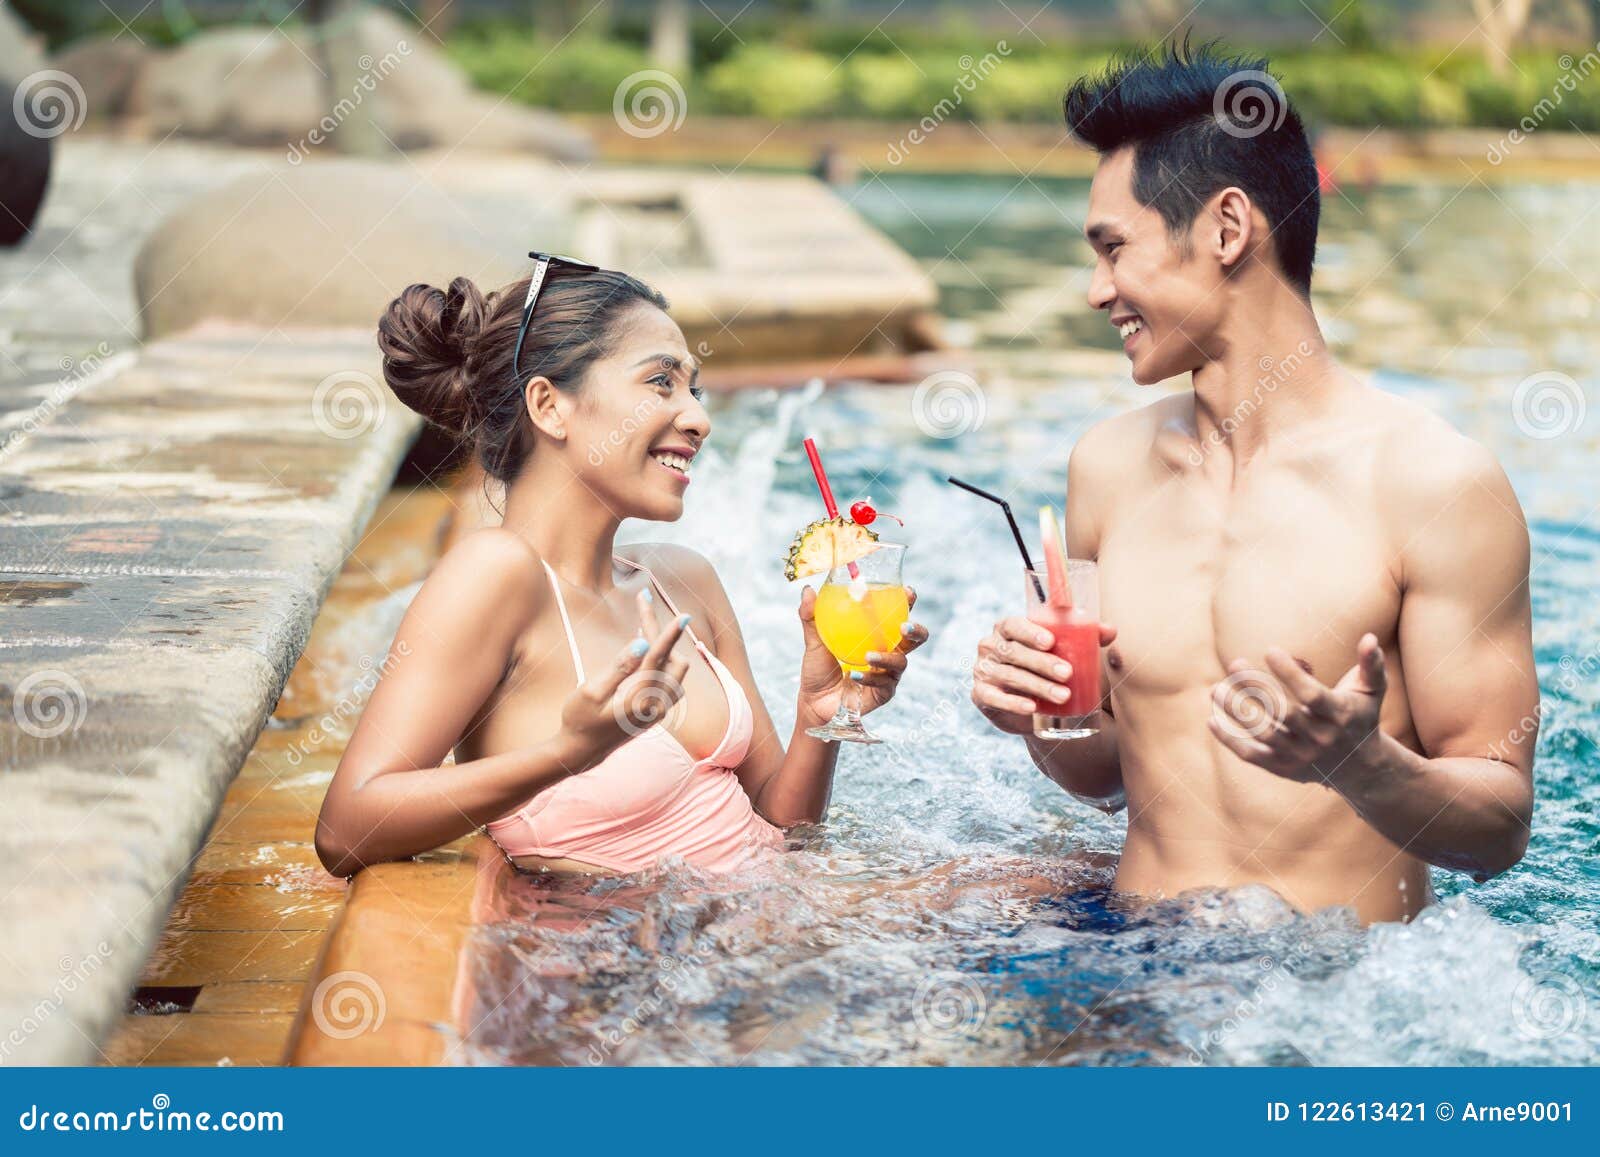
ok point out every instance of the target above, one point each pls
(447, 352)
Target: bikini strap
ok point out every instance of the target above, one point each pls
(662, 591)
(566, 622)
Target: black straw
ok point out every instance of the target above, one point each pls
(1015, 532)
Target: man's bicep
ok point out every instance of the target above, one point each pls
(1465, 625)
(1083, 516)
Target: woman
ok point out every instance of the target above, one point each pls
(546, 656)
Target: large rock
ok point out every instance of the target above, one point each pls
(179, 91)
(19, 49)
(24, 141)
(325, 243)
(262, 87)
(107, 68)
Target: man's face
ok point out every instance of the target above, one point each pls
(1166, 306)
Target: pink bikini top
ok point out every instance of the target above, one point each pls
(650, 797)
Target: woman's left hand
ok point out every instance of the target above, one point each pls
(822, 680)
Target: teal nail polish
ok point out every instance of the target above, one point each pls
(637, 648)
(906, 628)
(683, 620)
(649, 595)
(856, 676)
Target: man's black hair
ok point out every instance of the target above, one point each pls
(1200, 120)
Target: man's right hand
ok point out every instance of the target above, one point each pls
(1016, 675)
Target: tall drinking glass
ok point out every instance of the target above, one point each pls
(1077, 640)
(857, 613)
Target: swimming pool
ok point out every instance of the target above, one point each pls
(954, 909)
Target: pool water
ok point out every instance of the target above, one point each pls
(955, 908)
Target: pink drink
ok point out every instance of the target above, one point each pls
(1077, 640)
(1069, 612)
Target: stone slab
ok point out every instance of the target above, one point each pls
(168, 531)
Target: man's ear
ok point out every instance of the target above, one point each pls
(545, 406)
(1234, 226)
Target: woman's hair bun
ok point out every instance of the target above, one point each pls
(429, 340)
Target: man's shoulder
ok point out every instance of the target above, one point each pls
(1422, 455)
(1446, 497)
(1116, 438)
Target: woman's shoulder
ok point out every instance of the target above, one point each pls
(491, 567)
(682, 570)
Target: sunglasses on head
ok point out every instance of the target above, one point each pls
(541, 268)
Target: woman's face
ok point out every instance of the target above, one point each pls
(638, 422)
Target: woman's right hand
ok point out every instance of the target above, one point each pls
(633, 694)
(1016, 672)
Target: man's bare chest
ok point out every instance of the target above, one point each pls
(1192, 581)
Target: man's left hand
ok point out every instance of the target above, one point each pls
(1293, 724)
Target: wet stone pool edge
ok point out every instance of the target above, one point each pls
(169, 531)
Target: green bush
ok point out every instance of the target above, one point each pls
(581, 75)
(775, 82)
(847, 72)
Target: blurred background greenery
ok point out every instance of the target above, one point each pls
(1393, 63)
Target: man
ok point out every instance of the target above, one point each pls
(1321, 674)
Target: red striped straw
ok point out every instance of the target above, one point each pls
(827, 491)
